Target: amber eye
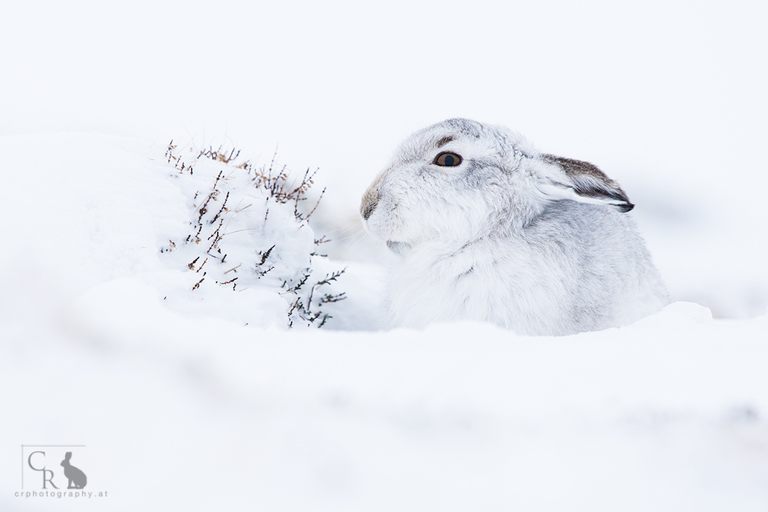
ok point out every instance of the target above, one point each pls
(447, 159)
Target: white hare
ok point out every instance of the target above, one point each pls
(487, 228)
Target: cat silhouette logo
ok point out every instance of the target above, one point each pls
(76, 479)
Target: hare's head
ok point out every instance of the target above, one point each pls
(460, 180)
(67, 456)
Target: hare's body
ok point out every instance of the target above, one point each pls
(528, 241)
(76, 479)
(583, 280)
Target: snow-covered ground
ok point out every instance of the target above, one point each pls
(201, 413)
(201, 399)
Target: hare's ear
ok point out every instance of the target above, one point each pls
(564, 178)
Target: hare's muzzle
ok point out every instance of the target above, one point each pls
(369, 202)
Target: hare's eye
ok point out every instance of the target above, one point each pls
(447, 159)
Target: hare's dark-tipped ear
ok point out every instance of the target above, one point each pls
(564, 178)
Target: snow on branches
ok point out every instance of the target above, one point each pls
(248, 226)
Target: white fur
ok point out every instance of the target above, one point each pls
(507, 237)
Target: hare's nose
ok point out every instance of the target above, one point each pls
(368, 205)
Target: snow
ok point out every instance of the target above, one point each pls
(195, 399)
(203, 399)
